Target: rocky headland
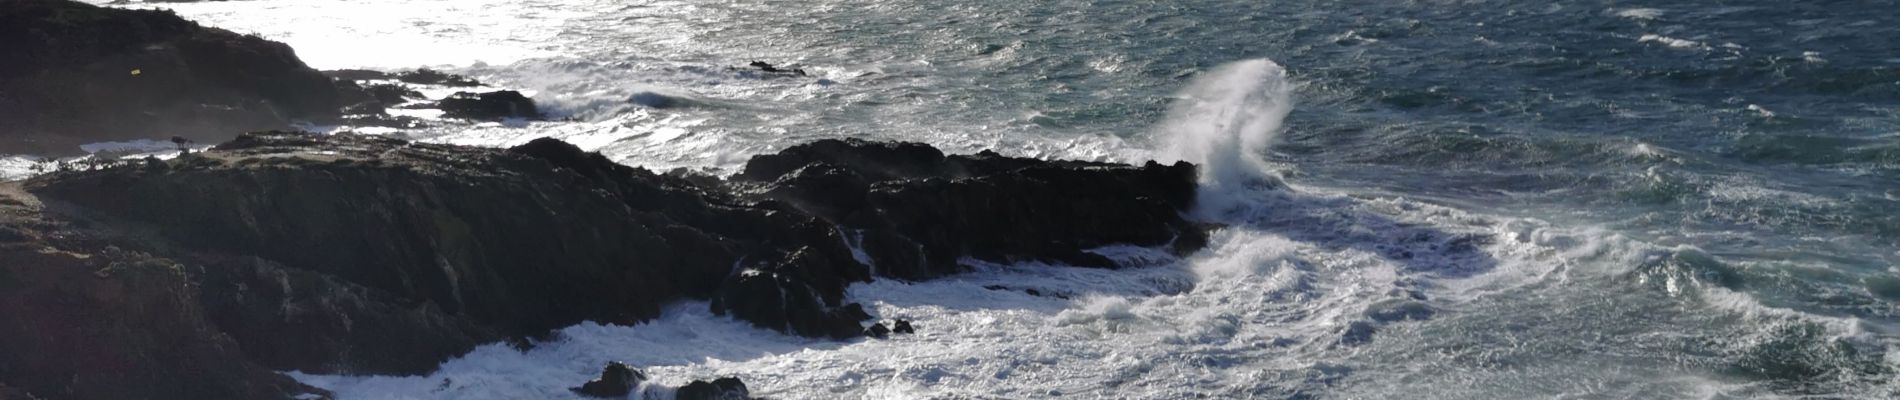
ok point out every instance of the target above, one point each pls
(200, 276)
(73, 73)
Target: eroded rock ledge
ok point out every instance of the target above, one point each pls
(198, 276)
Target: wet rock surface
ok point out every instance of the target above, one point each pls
(718, 389)
(370, 255)
(616, 380)
(917, 211)
(489, 105)
(85, 319)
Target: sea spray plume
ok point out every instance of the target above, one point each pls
(1223, 121)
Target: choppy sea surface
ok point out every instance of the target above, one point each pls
(1422, 199)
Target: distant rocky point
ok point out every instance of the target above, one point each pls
(73, 73)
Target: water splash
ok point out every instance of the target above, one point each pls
(1224, 121)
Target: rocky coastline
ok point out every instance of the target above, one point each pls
(206, 275)
(370, 255)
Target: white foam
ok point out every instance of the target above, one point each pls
(1224, 121)
(1672, 42)
(1640, 13)
(20, 167)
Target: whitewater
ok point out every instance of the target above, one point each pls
(1492, 200)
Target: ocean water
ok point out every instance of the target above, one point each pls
(1421, 199)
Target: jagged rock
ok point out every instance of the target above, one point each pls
(902, 326)
(877, 330)
(801, 295)
(357, 100)
(919, 211)
(616, 380)
(85, 320)
(490, 105)
(398, 255)
(824, 190)
(374, 99)
(372, 255)
(718, 389)
(73, 73)
(391, 94)
(427, 76)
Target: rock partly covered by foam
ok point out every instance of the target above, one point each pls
(73, 73)
(616, 380)
(718, 389)
(362, 254)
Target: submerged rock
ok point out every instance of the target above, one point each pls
(1358, 333)
(73, 73)
(490, 105)
(877, 330)
(1399, 310)
(769, 68)
(616, 380)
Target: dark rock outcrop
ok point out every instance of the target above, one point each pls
(72, 73)
(902, 326)
(490, 105)
(718, 389)
(916, 211)
(397, 255)
(363, 254)
(427, 76)
(774, 69)
(88, 320)
(616, 380)
(391, 94)
(877, 330)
